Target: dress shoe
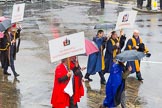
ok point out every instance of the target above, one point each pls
(87, 77)
(139, 76)
(16, 75)
(6, 73)
(148, 8)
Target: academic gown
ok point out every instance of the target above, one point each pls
(78, 86)
(114, 87)
(95, 60)
(59, 98)
(109, 56)
(132, 63)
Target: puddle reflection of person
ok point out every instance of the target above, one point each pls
(94, 95)
(10, 97)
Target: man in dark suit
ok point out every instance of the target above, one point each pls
(148, 6)
(8, 55)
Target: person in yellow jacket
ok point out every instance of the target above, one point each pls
(135, 43)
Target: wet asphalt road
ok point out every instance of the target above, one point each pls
(34, 86)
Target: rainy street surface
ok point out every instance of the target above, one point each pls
(33, 88)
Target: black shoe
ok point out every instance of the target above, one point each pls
(103, 81)
(87, 77)
(139, 77)
(16, 75)
(6, 73)
(138, 6)
(148, 8)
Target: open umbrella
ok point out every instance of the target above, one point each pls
(1, 35)
(104, 26)
(2, 18)
(4, 25)
(90, 47)
(130, 55)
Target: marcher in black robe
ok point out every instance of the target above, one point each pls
(8, 55)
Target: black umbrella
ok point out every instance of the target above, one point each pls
(104, 26)
(4, 25)
(130, 55)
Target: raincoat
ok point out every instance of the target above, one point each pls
(96, 60)
(77, 86)
(59, 98)
(115, 86)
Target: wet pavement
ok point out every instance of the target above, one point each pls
(34, 86)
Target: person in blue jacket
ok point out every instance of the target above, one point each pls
(95, 60)
(116, 85)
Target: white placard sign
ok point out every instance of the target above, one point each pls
(18, 12)
(126, 19)
(67, 46)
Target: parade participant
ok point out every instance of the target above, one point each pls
(122, 39)
(16, 28)
(139, 4)
(59, 98)
(96, 60)
(8, 55)
(112, 49)
(148, 6)
(115, 86)
(133, 44)
(77, 85)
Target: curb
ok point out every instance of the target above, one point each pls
(144, 10)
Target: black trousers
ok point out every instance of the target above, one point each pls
(72, 103)
(102, 3)
(3, 58)
(148, 3)
(101, 74)
(160, 4)
(139, 2)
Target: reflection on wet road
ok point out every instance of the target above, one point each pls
(9, 93)
(33, 87)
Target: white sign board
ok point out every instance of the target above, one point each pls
(18, 12)
(67, 46)
(126, 19)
